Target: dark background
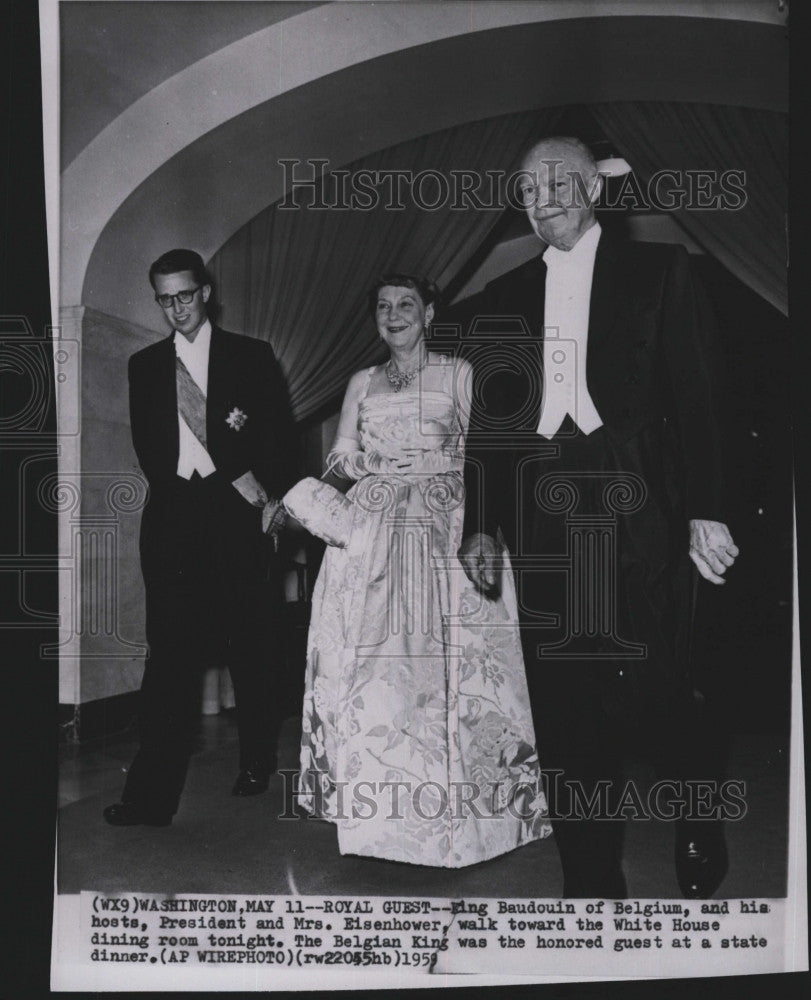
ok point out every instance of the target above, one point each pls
(29, 687)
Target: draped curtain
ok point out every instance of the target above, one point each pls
(751, 241)
(299, 278)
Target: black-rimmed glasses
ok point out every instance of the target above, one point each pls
(184, 298)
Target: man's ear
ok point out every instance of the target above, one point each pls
(206, 290)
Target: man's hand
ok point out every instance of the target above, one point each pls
(251, 489)
(712, 549)
(481, 562)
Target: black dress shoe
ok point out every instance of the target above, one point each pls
(131, 814)
(252, 780)
(701, 858)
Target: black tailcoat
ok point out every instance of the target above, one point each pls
(651, 375)
(212, 597)
(651, 372)
(242, 375)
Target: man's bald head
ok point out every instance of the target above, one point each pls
(561, 188)
(560, 147)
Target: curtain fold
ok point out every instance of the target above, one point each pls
(299, 278)
(751, 241)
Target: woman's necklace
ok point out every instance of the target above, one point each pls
(402, 380)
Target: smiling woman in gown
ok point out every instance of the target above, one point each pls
(417, 736)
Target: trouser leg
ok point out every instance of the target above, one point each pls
(184, 634)
(582, 760)
(581, 750)
(167, 727)
(583, 795)
(180, 650)
(256, 660)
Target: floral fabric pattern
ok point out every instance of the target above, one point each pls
(417, 736)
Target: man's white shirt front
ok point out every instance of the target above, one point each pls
(566, 325)
(193, 456)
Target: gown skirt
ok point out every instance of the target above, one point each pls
(417, 734)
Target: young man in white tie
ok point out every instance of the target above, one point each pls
(213, 434)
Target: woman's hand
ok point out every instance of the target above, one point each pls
(274, 517)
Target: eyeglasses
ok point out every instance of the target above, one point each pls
(184, 298)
